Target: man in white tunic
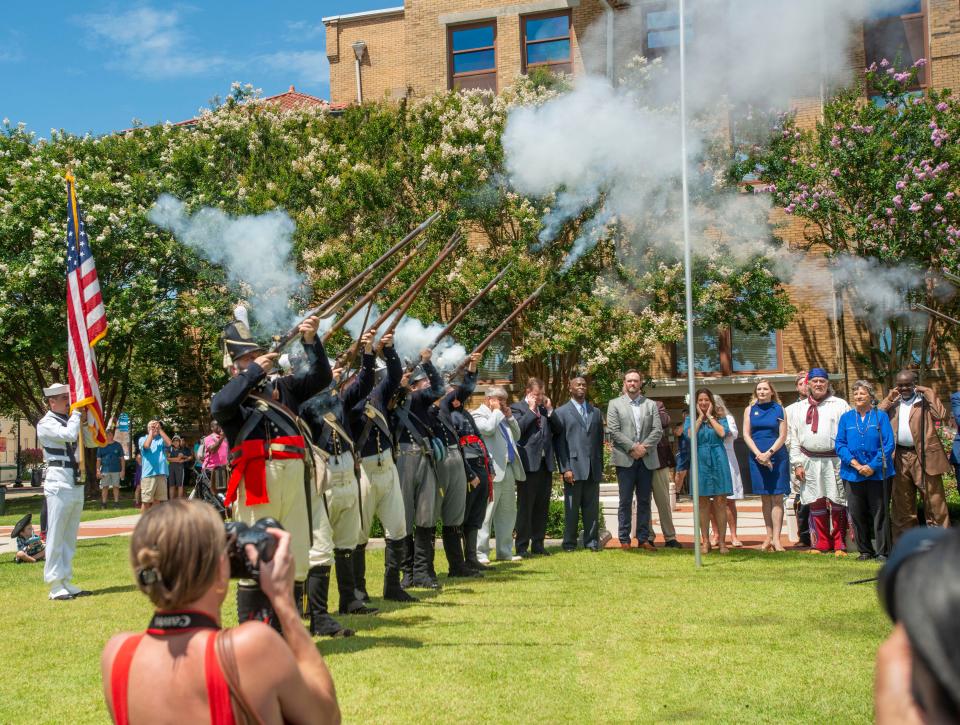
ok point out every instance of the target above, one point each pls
(811, 435)
(58, 435)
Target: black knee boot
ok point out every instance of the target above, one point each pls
(345, 585)
(298, 598)
(392, 556)
(453, 548)
(423, 558)
(406, 561)
(321, 623)
(253, 605)
(470, 549)
(360, 573)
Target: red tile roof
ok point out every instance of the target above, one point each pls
(290, 100)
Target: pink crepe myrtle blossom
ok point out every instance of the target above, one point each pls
(898, 201)
(915, 207)
(942, 106)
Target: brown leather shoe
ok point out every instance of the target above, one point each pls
(624, 546)
(647, 546)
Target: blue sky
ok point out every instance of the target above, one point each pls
(95, 66)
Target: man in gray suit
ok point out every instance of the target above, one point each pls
(499, 431)
(536, 453)
(578, 446)
(635, 430)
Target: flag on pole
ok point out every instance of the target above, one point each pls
(86, 321)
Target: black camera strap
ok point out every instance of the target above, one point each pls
(165, 624)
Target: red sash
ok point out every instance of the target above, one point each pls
(248, 460)
(464, 440)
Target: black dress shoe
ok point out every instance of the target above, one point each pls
(541, 552)
(673, 544)
(864, 556)
(524, 554)
(62, 598)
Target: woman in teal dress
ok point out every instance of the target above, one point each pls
(713, 467)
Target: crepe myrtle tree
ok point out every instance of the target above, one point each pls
(154, 289)
(877, 180)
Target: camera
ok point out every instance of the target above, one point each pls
(239, 535)
(919, 587)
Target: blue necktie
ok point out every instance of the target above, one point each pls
(506, 436)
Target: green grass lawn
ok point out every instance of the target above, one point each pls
(611, 637)
(17, 507)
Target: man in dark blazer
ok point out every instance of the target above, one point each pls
(578, 447)
(536, 453)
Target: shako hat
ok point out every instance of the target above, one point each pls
(21, 525)
(237, 342)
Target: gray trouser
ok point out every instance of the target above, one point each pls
(500, 518)
(452, 488)
(661, 497)
(418, 484)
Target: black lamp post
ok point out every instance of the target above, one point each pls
(18, 479)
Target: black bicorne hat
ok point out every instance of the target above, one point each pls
(237, 342)
(21, 525)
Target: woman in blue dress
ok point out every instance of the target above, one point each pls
(712, 466)
(765, 433)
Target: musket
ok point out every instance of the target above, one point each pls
(933, 312)
(402, 303)
(499, 328)
(421, 282)
(336, 300)
(470, 305)
(369, 296)
(463, 313)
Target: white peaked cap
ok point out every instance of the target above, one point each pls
(56, 389)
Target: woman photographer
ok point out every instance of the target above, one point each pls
(247, 674)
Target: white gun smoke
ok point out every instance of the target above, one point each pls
(254, 251)
(617, 151)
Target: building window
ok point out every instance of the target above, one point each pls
(752, 352)
(473, 56)
(897, 31)
(706, 352)
(731, 352)
(910, 338)
(496, 363)
(546, 42)
(661, 30)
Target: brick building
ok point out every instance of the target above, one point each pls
(427, 46)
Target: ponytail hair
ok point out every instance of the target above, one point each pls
(175, 552)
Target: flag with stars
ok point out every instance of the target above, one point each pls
(86, 321)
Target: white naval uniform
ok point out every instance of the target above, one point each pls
(64, 500)
(821, 475)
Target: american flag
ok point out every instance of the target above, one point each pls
(86, 319)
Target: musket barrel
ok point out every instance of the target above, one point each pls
(499, 328)
(470, 305)
(407, 298)
(336, 300)
(369, 296)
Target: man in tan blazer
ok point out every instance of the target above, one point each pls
(914, 412)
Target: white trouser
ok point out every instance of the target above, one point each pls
(382, 496)
(64, 507)
(343, 501)
(502, 517)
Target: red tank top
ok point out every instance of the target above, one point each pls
(218, 693)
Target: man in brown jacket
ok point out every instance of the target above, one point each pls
(914, 412)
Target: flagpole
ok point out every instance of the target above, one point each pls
(688, 281)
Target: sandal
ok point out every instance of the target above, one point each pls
(736, 543)
(724, 550)
(767, 546)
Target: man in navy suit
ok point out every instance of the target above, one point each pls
(535, 446)
(578, 446)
